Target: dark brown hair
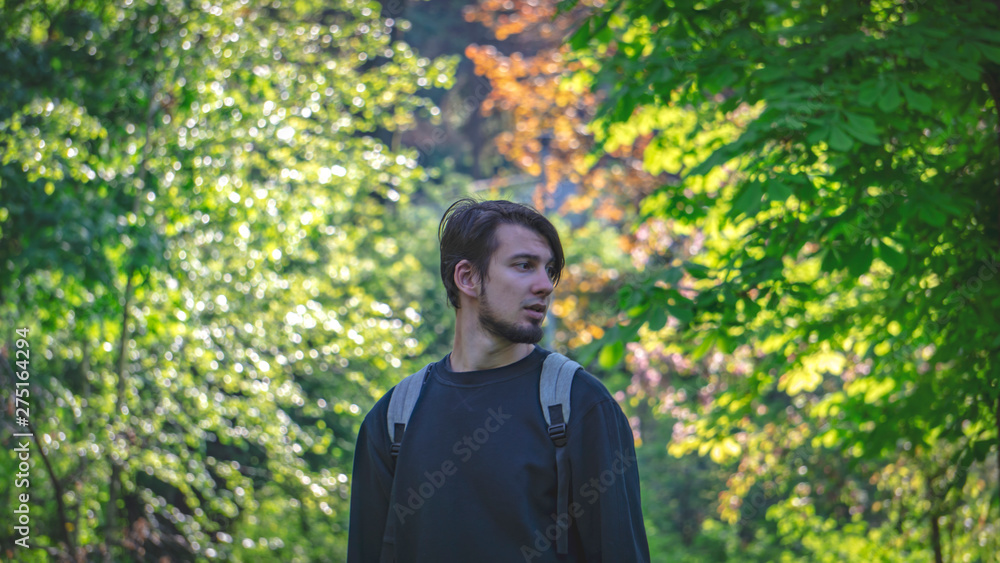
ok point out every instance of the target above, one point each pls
(468, 232)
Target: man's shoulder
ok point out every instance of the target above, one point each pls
(376, 420)
(588, 391)
(590, 397)
(587, 388)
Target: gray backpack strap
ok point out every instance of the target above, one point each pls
(554, 388)
(404, 398)
(401, 403)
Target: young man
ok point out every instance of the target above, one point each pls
(475, 480)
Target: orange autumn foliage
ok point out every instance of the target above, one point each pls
(530, 91)
(530, 94)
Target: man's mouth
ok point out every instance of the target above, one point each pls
(537, 311)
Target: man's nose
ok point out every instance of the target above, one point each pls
(543, 284)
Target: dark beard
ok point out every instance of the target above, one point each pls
(531, 334)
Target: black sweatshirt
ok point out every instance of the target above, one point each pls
(476, 476)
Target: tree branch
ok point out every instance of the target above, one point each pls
(119, 401)
(57, 490)
(56, 487)
(991, 75)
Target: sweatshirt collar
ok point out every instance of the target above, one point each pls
(528, 364)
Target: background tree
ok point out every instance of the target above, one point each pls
(199, 228)
(849, 199)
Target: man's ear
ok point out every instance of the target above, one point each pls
(467, 280)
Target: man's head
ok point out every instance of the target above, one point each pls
(509, 244)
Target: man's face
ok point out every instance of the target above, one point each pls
(513, 301)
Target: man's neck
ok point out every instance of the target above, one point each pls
(475, 349)
(464, 359)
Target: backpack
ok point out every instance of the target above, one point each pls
(554, 389)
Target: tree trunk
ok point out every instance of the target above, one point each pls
(992, 78)
(115, 482)
(936, 538)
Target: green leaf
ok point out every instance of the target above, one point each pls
(720, 79)
(853, 232)
(989, 51)
(870, 91)
(779, 191)
(981, 449)
(681, 313)
(748, 202)
(727, 152)
(725, 344)
(564, 6)
(671, 275)
(751, 308)
(604, 36)
(637, 310)
(703, 348)
(839, 140)
(895, 260)
(611, 354)
(595, 26)
(697, 271)
(862, 128)
(967, 70)
(859, 261)
(890, 99)
(657, 319)
(831, 261)
(581, 37)
(932, 216)
(917, 100)
(627, 333)
(818, 135)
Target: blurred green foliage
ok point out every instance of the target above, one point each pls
(219, 264)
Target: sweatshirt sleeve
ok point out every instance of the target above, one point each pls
(605, 499)
(371, 484)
